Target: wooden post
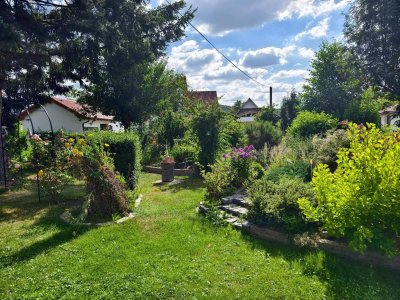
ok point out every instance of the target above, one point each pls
(270, 96)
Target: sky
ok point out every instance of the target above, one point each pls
(271, 40)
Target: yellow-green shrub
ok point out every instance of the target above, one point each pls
(361, 199)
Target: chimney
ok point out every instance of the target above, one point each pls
(270, 96)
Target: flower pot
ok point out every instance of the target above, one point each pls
(167, 169)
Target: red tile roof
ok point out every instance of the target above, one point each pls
(72, 106)
(208, 97)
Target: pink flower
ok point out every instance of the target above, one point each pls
(17, 166)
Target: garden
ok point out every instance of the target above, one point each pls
(187, 201)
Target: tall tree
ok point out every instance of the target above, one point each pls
(289, 109)
(108, 46)
(373, 30)
(335, 79)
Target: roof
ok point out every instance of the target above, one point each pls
(389, 110)
(246, 111)
(72, 106)
(208, 97)
(249, 107)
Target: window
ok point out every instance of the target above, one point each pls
(103, 126)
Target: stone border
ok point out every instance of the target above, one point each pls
(67, 217)
(177, 172)
(331, 246)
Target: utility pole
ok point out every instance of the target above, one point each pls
(270, 96)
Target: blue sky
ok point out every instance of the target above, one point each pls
(272, 40)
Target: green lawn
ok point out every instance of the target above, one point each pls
(167, 251)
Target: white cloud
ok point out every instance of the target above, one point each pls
(318, 31)
(218, 17)
(285, 74)
(266, 57)
(306, 52)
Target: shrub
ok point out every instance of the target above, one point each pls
(218, 182)
(290, 150)
(326, 148)
(184, 153)
(361, 199)
(126, 152)
(240, 160)
(207, 129)
(310, 123)
(297, 169)
(233, 134)
(261, 133)
(276, 202)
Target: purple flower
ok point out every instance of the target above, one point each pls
(225, 156)
(251, 147)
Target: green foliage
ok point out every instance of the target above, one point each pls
(268, 114)
(126, 152)
(108, 46)
(289, 109)
(372, 29)
(183, 152)
(325, 149)
(366, 110)
(263, 133)
(276, 202)
(335, 80)
(16, 144)
(361, 199)
(219, 181)
(309, 123)
(296, 169)
(206, 125)
(232, 133)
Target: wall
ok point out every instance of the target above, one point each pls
(60, 118)
(392, 122)
(246, 119)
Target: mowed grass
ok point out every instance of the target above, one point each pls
(167, 251)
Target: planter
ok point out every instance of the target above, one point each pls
(167, 170)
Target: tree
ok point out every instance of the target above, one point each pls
(373, 30)
(109, 47)
(335, 79)
(289, 109)
(268, 114)
(236, 107)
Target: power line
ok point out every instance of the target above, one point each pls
(220, 52)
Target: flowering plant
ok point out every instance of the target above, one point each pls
(241, 153)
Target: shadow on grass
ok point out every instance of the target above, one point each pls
(65, 233)
(20, 207)
(345, 278)
(186, 184)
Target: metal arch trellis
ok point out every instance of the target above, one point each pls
(25, 108)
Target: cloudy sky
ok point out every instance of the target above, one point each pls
(272, 40)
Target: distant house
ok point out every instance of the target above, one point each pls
(389, 118)
(65, 114)
(247, 112)
(208, 97)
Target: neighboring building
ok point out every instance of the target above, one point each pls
(389, 118)
(247, 112)
(208, 97)
(67, 115)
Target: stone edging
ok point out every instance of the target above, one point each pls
(67, 217)
(334, 247)
(177, 172)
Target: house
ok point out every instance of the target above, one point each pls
(389, 117)
(247, 112)
(208, 97)
(65, 114)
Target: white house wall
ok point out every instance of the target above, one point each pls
(60, 118)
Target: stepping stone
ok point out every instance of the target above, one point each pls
(235, 210)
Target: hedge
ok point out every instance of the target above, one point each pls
(126, 152)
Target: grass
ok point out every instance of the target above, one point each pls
(167, 251)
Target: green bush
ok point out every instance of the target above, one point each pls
(207, 124)
(361, 199)
(326, 148)
(218, 182)
(233, 134)
(185, 153)
(297, 169)
(309, 123)
(126, 152)
(263, 133)
(275, 203)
